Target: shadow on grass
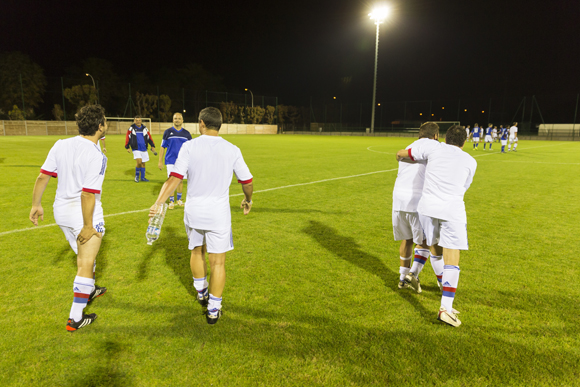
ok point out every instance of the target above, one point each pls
(346, 248)
(174, 248)
(286, 210)
(67, 254)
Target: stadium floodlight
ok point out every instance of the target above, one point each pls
(252, 94)
(95, 87)
(379, 14)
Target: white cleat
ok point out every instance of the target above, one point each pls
(171, 205)
(180, 203)
(448, 317)
(413, 282)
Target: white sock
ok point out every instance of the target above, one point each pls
(82, 288)
(450, 281)
(403, 270)
(515, 145)
(200, 284)
(421, 256)
(214, 305)
(437, 264)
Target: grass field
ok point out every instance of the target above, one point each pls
(311, 297)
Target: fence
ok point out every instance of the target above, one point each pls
(64, 128)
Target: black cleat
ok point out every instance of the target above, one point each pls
(97, 292)
(203, 298)
(87, 319)
(212, 319)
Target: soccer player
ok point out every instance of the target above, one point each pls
(173, 139)
(209, 162)
(513, 136)
(104, 146)
(468, 131)
(475, 136)
(406, 225)
(503, 138)
(80, 167)
(138, 138)
(488, 138)
(441, 209)
(493, 135)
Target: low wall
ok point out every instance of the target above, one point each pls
(559, 130)
(40, 128)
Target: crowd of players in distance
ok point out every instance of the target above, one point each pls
(208, 160)
(493, 134)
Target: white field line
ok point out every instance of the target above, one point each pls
(238, 194)
(372, 150)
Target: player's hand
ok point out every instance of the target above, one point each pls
(87, 232)
(152, 211)
(129, 150)
(153, 150)
(104, 150)
(246, 206)
(160, 165)
(35, 213)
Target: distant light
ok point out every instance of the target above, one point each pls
(420, 114)
(334, 97)
(443, 108)
(379, 14)
(465, 110)
(432, 114)
(379, 104)
(246, 89)
(483, 111)
(184, 110)
(86, 74)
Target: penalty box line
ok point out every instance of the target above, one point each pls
(238, 194)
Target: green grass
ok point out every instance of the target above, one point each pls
(311, 295)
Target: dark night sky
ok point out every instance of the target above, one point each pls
(301, 48)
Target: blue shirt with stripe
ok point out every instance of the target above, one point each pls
(173, 139)
(488, 131)
(504, 133)
(141, 145)
(476, 131)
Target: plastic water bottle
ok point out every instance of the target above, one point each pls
(154, 228)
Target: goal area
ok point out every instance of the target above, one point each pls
(119, 125)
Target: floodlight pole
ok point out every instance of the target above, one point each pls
(252, 94)
(94, 86)
(378, 22)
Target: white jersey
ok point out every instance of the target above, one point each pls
(409, 183)
(513, 131)
(80, 166)
(209, 163)
(448, 175)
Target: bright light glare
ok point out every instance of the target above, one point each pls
(379, 14)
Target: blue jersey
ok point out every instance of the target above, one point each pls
(141, 145)
(503, 133)
(476, 131)
(488, 131)
(173, 139)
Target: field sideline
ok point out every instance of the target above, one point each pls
(311, 296)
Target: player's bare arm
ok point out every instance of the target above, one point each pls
(403, 154)
(161, 155)
(247, 201)
(168, 187)
(39, 186)
(88, 208)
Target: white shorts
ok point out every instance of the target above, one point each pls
(144, 156)
(451, 235)
(513, 139)
(217, 241)
(494, 136)
(503, 142)
(475, 139)
(171, 168)
(71, 233)
(487, 138)
(406, 226)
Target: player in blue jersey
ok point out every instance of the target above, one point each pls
(488, 138)
(173, 139)
(138, 138)
(503, 135)
(475, 135)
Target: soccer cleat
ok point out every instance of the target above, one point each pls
(136, 179)
(413, 282)
(213, 318)
(403, 284)
(97, 292)
(87, 319)
(180, 203)
(203, 298)
(145, 179)
(448, 317)
(171, 205)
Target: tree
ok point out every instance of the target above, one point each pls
(165, 108)
(146, 104)
(57, 112)
(81, 95)
(20, 78)
(16, 114)
(269, 115)
(254, 115)
(229, 111)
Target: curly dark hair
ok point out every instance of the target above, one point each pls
(212, 117)
(89, 118)
(428, 130)
(455, 136)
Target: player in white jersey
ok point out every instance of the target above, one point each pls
(209, 162)
(513, 139)
(468, 131)
(80, 167)
(406, 225)
(441, 209)
(494, 134)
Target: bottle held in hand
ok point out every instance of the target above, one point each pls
(154, 228)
